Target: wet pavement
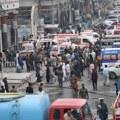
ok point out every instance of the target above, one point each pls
(108, 93)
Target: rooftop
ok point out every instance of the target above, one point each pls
(68, 103)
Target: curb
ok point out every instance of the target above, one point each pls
(88, 91)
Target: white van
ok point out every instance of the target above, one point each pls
(27, 49)
(82, 41)
(113, 29)
(59, 49)
(92, 36)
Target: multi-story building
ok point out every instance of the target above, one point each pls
(55, 11)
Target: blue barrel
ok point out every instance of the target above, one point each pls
(28, 107)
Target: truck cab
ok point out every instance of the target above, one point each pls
(79, 109)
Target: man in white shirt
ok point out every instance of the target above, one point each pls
(68, 71)
(40, 89)
(93, 54)
(106, 75)
(68, 116)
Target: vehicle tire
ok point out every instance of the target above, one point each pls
(112, 75)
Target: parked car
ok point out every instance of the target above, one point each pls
(104, 24)
(114, 71)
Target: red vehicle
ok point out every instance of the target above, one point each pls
(116, 108)
(79, 109)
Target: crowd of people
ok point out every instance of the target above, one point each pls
(5, 87)
(68, 67)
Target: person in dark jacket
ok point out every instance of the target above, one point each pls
(102, 110)
(28, 63)
(32, 57)
(83, 93)
(94, 79)
(6, 84)
(116, 84)
(2, 90)
(47, 74)
(77, 69)
(60, 76)
(29, 89)
(39, 77)
(20, 61)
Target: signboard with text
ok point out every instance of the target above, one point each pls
(9, 4)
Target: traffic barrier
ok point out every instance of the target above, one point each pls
(9, 64)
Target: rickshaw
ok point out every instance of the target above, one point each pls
(79, 108)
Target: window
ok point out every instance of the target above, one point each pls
(113, 57)
(56, 114)
(86, 41)
(111, 27)
(54, 49)
(95, 36)
(104, 43)
(30, 47)
(75, 40)
(117, 66)
(112, 17)
(75, 113)
(86, 112)
(118, 56)
(106, 57)
(99, 25)
(110, 57)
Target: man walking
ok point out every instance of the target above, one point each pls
(94, 79)
(84, 92)
(29, 89)
(28, 63)
(102, 110)
(20, 61)
(106, 75)
(60, 76)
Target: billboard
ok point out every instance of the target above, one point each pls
(9, 4)
(23, 32)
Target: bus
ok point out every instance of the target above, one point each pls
(110, 57)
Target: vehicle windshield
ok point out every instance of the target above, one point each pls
(87, 112)
(75, 40)
(74, 113)
(54, 49)
(27, 48)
